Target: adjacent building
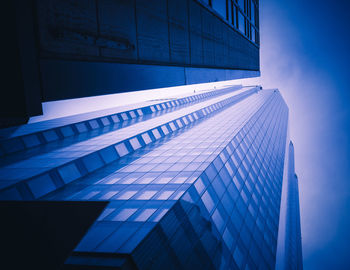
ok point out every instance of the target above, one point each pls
(290, 247)
(63, 49)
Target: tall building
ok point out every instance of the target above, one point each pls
(200, 181)
(192, 182)
(290, 248)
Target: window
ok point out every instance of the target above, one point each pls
(164, 195)
(229, 11)
(121, 149)
(208, 201)
(241, 4)
(124, 214)
(126, 195)
(159, 215)
(218, 220)
(135, 143)
(199, 186)
(253, 13)
(146, 138)
(218, 186)
(145, 195)
(238, 256)
(253, 35)
(220, 7)
(145, 214)
(156, 133)
(205, 1)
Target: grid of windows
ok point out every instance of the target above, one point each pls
(243, 15)
(228, 165)
(196, 185)
(246, 210)
(93, 153)
(94, 123)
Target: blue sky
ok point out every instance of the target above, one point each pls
(305, 53)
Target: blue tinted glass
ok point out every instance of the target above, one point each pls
(220, 7)
(234, 16)
(233, 191)
(238, 256)
(218, 220)
(164, 182)
(241, 26)
(218, 186)
(124, 214)
(145, 214)
(205, 1)
(227, 202)
(241, 4)
(229, 11)
(146, 195)
(208, 201)
(228, 238)
(241, 206)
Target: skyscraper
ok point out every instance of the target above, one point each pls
(290, 248)
(200, 181)
(192, 182)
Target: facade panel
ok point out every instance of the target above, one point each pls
(125, 39)
(117, 27)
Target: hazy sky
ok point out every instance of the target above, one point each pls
(305, 53)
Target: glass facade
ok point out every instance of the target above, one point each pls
(192, 182)
(243, 15)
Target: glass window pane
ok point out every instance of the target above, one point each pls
(249, 30)
(124, 214)
(165, 195)
(121, 149)
(126, 195)
(238, 256)
(220, 7)
(218, 220)
(228, 238)
(218, 186)
(145, 195)
(241, 22)
(253, 34)
(234, 16)
(241, 4)
(145, 214)
(208, 201)
(205, 1)
(229, 11)
(253, 12)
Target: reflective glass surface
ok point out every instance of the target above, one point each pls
(238, 13)
(197, 187)
(220, 7)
